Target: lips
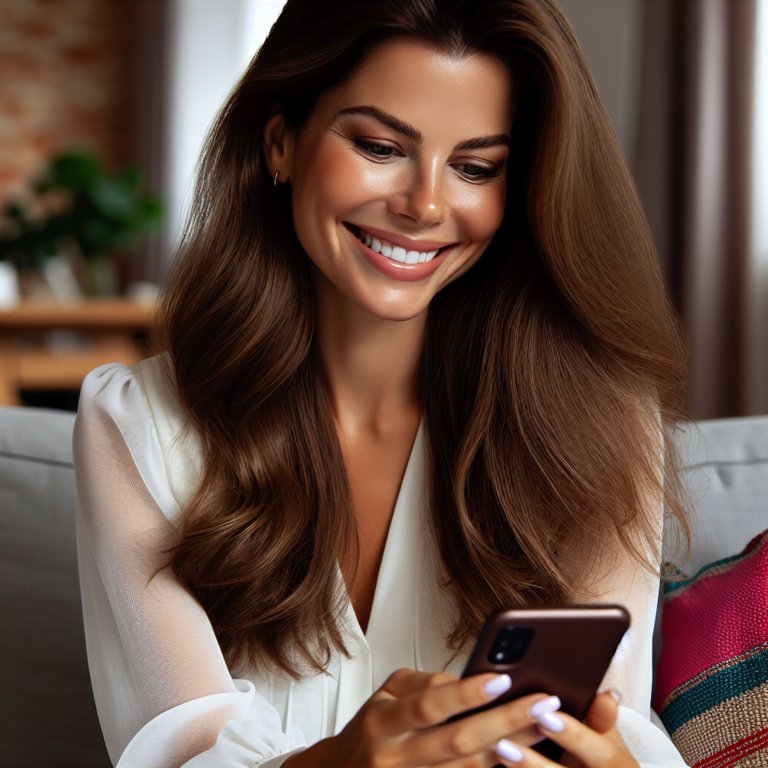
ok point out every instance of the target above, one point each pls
(402, 251)
(424, 262)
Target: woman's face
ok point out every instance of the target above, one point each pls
(398, 177)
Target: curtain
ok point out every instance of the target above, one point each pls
(693, 169)
(153, 23)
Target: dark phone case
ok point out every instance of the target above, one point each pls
(567, 657)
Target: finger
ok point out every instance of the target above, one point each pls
(488, 758)
(390, 715)
(404, 682)
(603, 711)
(594, 749)
(436, 704)
(512, 753)
(472, 737)
(474, 732)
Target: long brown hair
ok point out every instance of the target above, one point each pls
(547, 372)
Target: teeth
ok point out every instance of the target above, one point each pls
(395, 252)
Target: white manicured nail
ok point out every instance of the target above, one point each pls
(506, 750)
(545, 707)
(614, 694)
(498, 685)
(551, 722)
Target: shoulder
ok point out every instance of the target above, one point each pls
(138, 404)
(118, 390)
(125, 395)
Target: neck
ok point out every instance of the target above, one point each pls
(371, 365)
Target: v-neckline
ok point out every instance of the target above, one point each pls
(408, 496)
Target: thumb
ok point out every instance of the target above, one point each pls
(603, 712)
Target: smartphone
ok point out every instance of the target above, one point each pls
(559, 651)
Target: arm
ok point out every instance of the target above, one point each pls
(631, 673)
(161, 685)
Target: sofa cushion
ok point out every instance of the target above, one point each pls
(725, 467)
(47, 708)
(712, 678)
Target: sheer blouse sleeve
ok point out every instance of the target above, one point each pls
(631, 673)
(162, 689)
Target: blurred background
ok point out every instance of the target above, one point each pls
(104, 105)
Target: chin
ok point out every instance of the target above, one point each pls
(396, 314)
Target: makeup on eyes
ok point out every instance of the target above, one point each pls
(372, 147)
(383, 150)
(371, 120)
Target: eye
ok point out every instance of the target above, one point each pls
(474, 172)
(375, 149)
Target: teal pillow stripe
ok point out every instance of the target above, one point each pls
(737, 676)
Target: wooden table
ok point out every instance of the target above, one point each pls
(29, 361)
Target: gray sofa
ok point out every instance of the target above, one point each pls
(47, 716)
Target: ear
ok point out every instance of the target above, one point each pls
(278, 147)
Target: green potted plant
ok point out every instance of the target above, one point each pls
(78, 211)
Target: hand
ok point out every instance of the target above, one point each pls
(593, 744)
(403, 725)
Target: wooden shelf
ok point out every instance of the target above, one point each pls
(107, 327)
(93, 315)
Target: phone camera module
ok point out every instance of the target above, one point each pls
(510, 645)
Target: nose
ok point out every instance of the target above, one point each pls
(421, 199)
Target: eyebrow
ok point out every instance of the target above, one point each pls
(396, 124)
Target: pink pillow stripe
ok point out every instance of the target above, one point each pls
(732, 587)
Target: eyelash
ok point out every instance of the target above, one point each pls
(484, 172)
(372, 149)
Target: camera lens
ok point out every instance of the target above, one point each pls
(510, 645)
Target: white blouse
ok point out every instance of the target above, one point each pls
(164, 694)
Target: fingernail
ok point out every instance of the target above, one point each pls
(506, 750)
(498, 685)
(551, 722)
(544, 707)
(614, 694)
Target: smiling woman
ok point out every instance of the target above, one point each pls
(415, 357)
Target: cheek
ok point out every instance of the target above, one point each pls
(334, 181)
(482, 209)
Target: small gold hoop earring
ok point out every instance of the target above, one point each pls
(274, 181)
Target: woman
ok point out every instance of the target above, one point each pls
(416, 354)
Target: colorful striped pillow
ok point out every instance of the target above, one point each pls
(712, 677)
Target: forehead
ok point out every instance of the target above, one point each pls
(412, 80)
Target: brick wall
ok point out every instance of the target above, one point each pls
(66, 80)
